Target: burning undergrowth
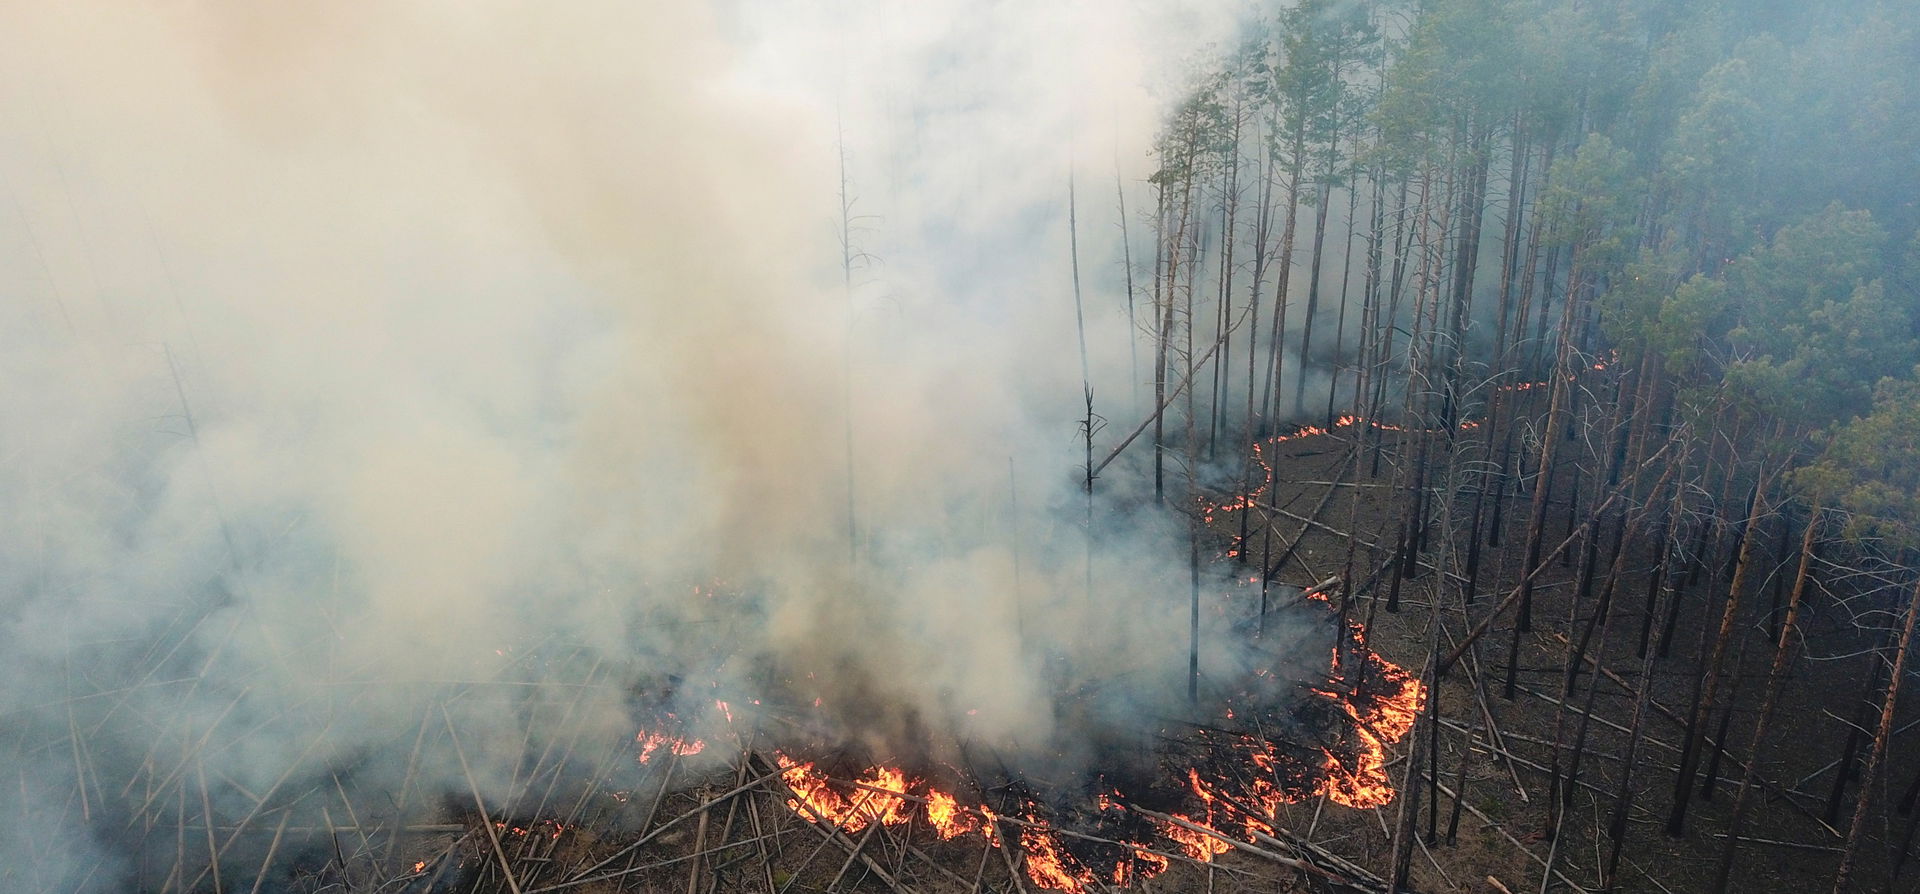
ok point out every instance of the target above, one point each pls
(1286, 726)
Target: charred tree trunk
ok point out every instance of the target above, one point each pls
(1262, 225)
(1850, 750)
(1222, 368)
(1654, 582)
(1402, 234)
(1133, 323)
(1086, 375)
(1510, 241)
(1542, 491)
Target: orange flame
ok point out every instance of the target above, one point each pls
(1198, 845)
(949, 821)
(879, 796)
(1050, 867)
(653, 742)
(884, 794)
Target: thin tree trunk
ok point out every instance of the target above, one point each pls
(1163, 312)
(1086, 376)
(1543, 487)
(1340, 323)
(1690, 751)
(1776, 677)
(1276, 365)
(1313, 296)
(1216, 403)
(1842, 879)
(1262, 225)
(1133, 324)
(1643, 694)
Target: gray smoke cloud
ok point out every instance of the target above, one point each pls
(381, 378)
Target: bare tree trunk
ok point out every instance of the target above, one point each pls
(1850, 751)
(1690, 750)
(1133, 324)
(1313, 295)
(1510, 241)
(1086, 376)
(1370, 300)
(1842, 879)
(1222, 371)
(1163, 313)
(1277, 345)
(1402, 238)
(1643, 694)
(1776, 676)
(1262, 225)
(1340, 323)
(846, 377)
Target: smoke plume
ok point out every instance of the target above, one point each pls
(393, 391)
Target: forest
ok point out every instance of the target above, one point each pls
(1207, 445)
(1614, 306)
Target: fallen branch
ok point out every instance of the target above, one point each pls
(1266, 574)
(1237, 844)
(1172, 394)
(1515, 841)
(1598, 512)
(580, 878)
(1674, 717)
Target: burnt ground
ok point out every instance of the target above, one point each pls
(1502, 834)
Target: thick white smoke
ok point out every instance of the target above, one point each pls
(356, 361)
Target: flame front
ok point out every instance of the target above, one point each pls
(1365, 784)
(1382, 715)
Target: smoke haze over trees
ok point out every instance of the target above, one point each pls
(395, 398)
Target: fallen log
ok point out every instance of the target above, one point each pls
(1281, 859)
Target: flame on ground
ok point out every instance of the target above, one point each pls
(877, 796)
(1381, 717)
(890, 796)
(1247, 799)
(1049, 866)
(651, 743)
